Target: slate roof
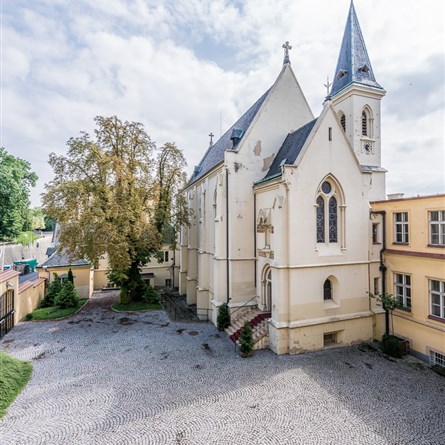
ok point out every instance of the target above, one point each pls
(290, 149)
(60, 259)
(353, 58)
(215, 153)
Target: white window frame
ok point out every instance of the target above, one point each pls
(440, 227)
(441, 298)
(401, 227)
(436, 358)
(402, 290)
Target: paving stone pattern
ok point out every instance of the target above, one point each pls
(103, 377)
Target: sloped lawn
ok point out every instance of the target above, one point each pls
(52, 312)
(14, 375)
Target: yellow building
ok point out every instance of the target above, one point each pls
(414, 256)
(60, 263)
(156, 273)
(16, 299)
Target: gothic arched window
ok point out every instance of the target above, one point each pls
(327, 290)
(329, 213)
(320, 219)
(332, 219)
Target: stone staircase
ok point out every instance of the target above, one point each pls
(260, 327)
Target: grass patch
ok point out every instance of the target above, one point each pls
(137, 306)
(14, 376)
(52, 312)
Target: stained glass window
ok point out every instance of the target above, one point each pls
(332, 220)
(320, 220)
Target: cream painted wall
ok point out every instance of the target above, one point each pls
(29, 297)
(83, 277)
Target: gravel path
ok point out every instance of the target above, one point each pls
(103, 377)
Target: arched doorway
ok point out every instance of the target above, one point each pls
(267, 289)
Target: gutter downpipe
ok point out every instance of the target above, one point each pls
(382, 267)
(227, 236)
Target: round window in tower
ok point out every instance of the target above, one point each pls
(326, 187)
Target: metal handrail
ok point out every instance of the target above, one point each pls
(240, 307)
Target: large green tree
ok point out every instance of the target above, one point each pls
(16, 179)
(114, 195)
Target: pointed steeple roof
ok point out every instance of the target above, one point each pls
(353, 64)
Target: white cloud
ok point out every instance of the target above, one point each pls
(176, 66)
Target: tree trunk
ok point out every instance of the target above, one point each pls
(133, 287)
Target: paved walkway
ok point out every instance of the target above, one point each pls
(107, 378)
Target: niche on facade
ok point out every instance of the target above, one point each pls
(264, 226)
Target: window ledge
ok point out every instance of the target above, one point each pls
(400, 243)
(330, 304)
(377, 243)
(440, 246)
(433, 317)
(404, 309)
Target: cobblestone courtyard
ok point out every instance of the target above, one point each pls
(103, 377)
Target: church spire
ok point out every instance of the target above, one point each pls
(353, 64)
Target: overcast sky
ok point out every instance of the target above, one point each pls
(183, 67)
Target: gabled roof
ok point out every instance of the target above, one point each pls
(353, 64)
(290, 149)
(61, 259)
(215, 153)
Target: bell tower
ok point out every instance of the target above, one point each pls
(356, 97)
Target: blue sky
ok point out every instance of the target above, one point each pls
(182, 67)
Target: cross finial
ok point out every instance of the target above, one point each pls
(328, 86)
(286, 48)
(211, 139)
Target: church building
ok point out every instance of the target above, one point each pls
(281, 226)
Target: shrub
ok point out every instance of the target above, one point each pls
(53, 290)
(68, 296)
(150, 295)
(223, 320)
(391, 346)
(246, 340)
(28, 316)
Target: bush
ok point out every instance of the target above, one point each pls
(223, 320)
(246, 340)
(68, 296)
(52, 292)
(150, 296)
(29, 316)
(391, 346)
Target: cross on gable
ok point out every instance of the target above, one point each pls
(211, 138)
(286, 48)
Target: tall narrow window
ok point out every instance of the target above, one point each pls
(327, 290)
(402, 290)
(364, 124)
(343, 122)
(401, 227)
(332, 220)
(320, 219)
(437, 298)
(437, 228)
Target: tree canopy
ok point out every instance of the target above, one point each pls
(16, 179)
(113, 195)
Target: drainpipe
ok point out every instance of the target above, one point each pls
(254, 239)
(227, 236)
(382, 267)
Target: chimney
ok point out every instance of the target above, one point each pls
(395, 196)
